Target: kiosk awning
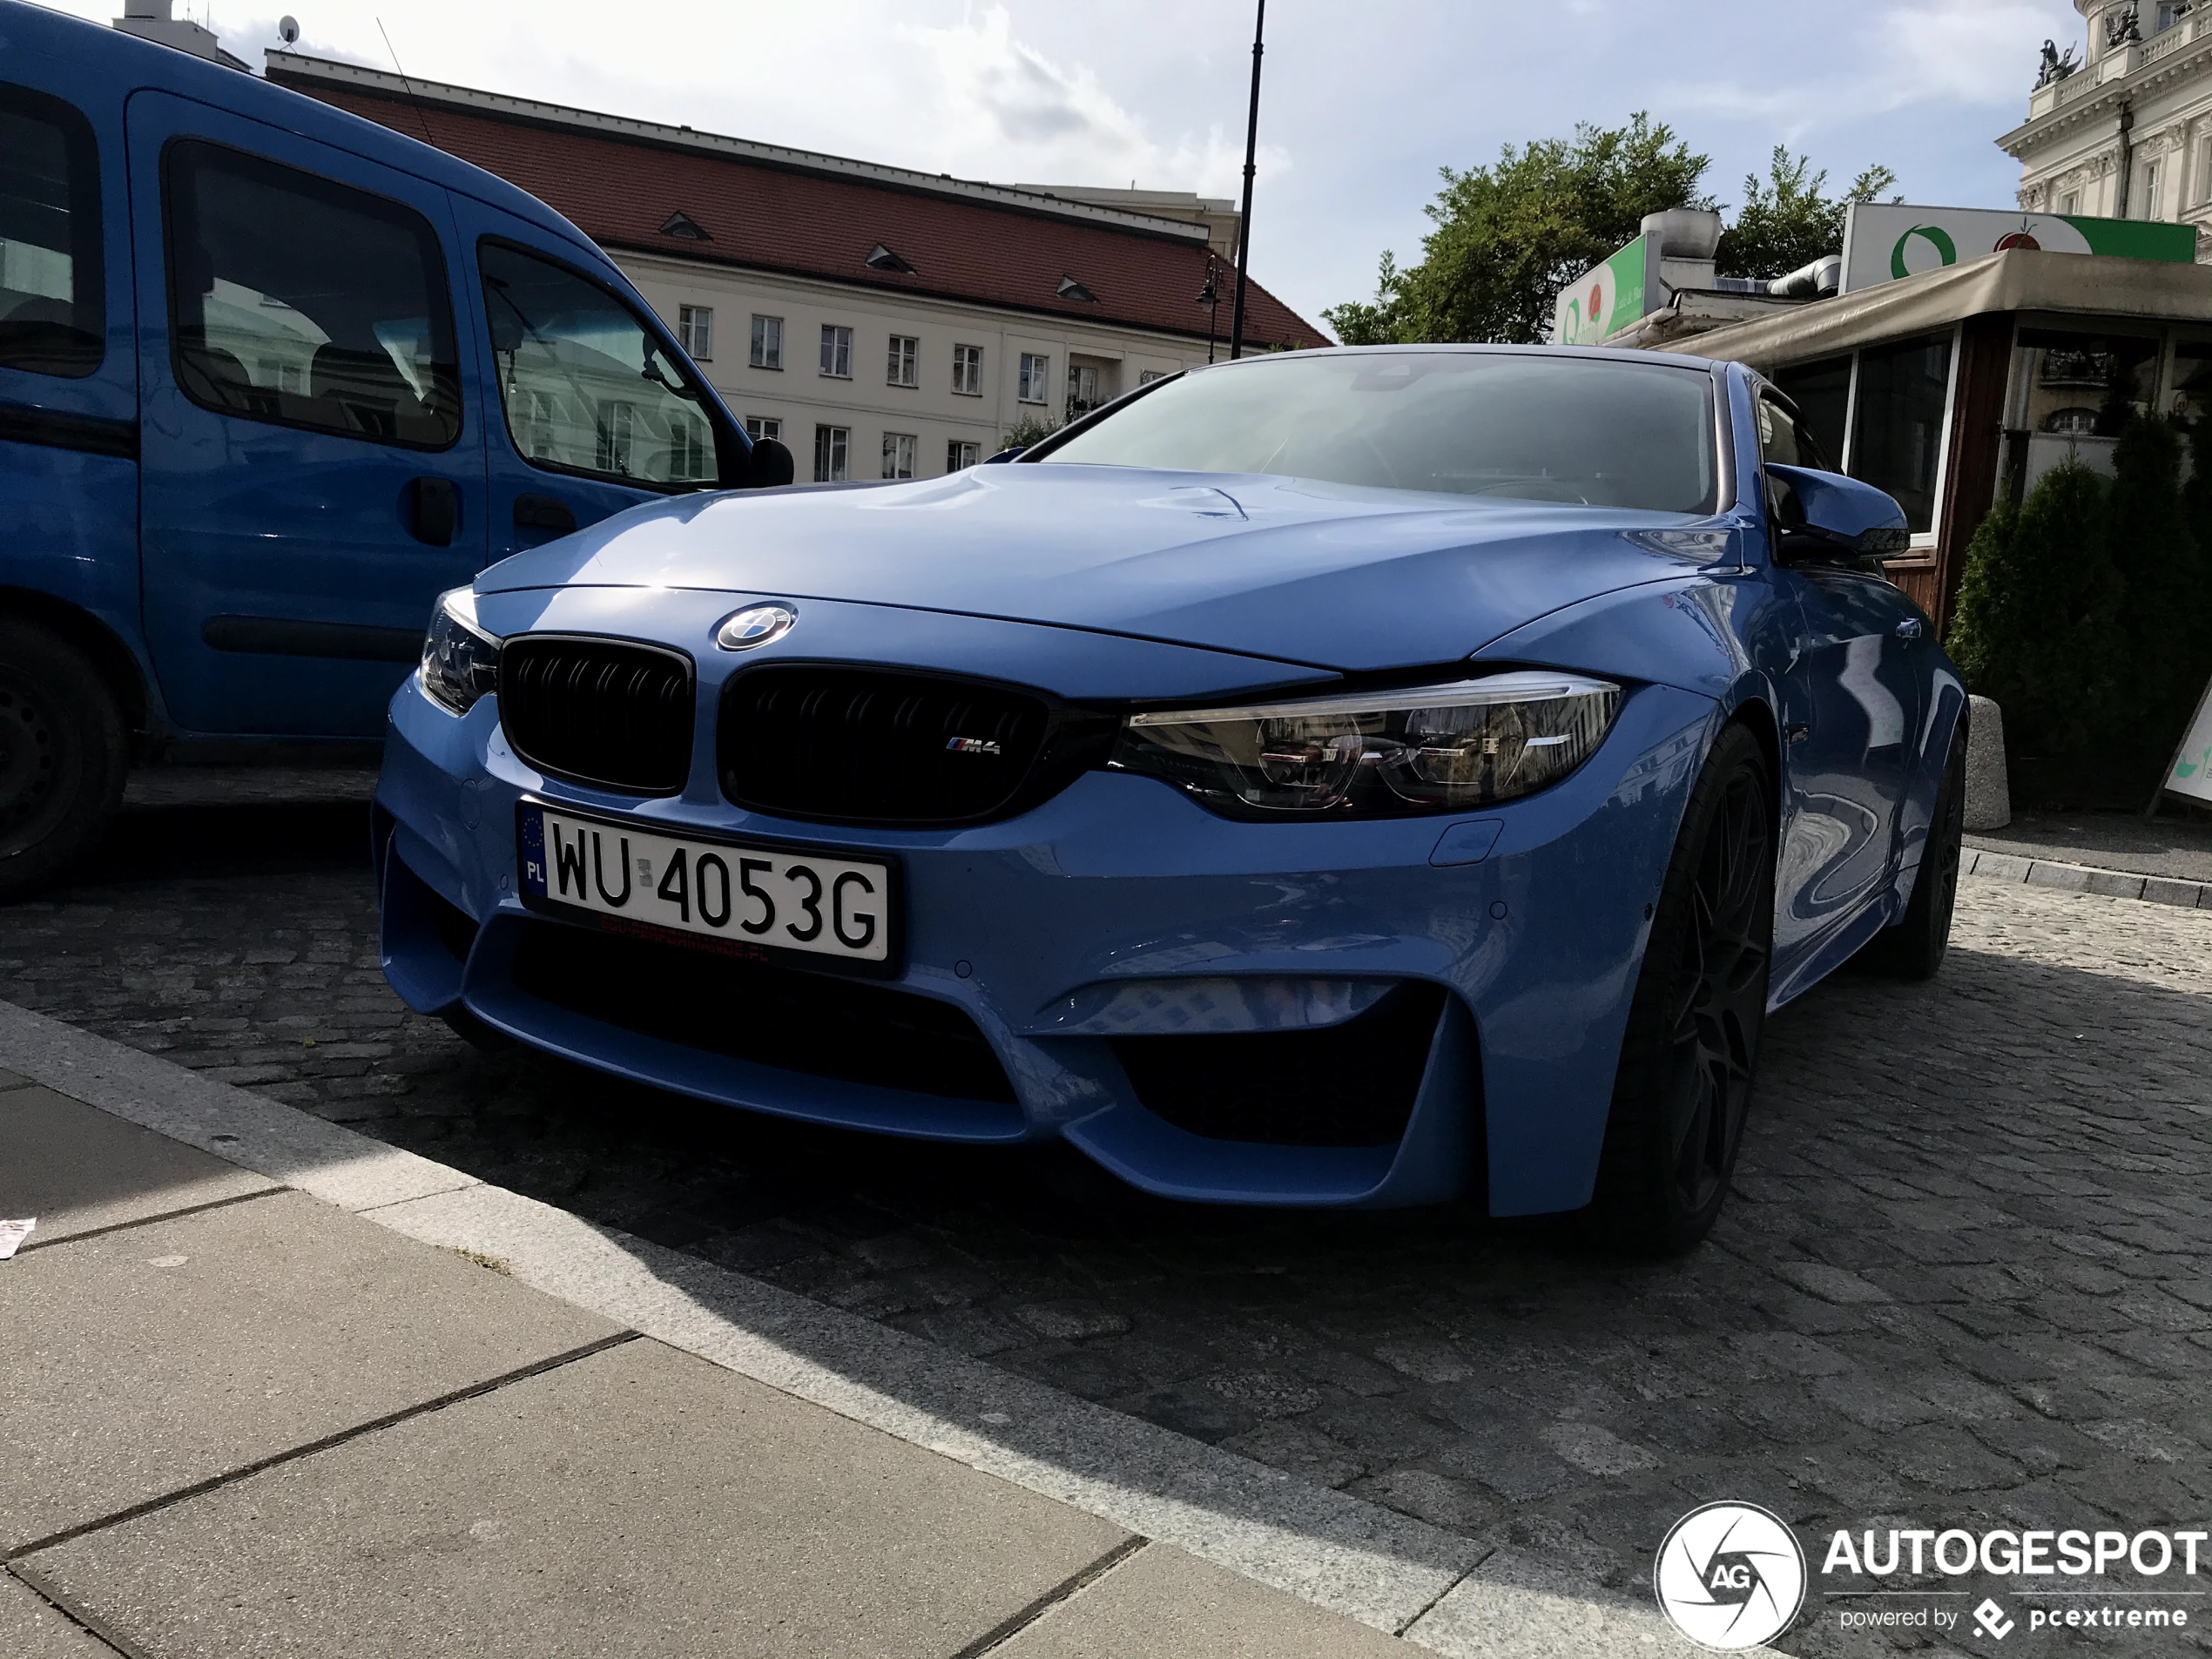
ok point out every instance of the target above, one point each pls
(2017, 280)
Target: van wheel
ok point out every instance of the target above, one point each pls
(63, 756)
(1693, 1034)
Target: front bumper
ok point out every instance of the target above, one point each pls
(1120, 909)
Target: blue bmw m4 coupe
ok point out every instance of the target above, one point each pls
(1355, 778)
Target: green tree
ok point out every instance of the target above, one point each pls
(1028, 430)
(1508, 236)
(2160, 556)
(2038, 621)
(1787, 221)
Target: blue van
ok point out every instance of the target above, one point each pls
(272, 378)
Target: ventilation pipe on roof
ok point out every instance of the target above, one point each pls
(1684, 238)
(152, 20)
(1823, 277)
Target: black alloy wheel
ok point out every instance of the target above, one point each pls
(1913, 947)
(63, 756)
(1692, 1041)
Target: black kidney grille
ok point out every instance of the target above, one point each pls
(602, 711)
(876, 745)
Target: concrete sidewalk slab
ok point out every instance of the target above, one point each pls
(1163, 1600)
(141, 1362)
(29, 1629)
(79, 1168)
(635, 1502)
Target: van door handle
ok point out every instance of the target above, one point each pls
(1909, 629)
(434, 509)
(544, 513)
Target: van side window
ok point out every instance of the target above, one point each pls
(587, 387)
(52, 305)
(305, 303)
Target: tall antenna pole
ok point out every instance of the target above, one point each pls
(1244, 221)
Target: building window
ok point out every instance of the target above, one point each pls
(758, 426)
(2071, 202)
(904, 360)
(691, 449)
(695, 331)
(2152, 172)
(961, 453)
(767, 342)
(618, 426)
(837, 352)
(968, 371)
(899, 448)
(1036, 377)
(1082, 391)
(833, 453)
(1146, 376)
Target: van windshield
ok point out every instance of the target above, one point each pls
(1531, 425)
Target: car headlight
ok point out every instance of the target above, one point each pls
(460, 660)
(1430, 748)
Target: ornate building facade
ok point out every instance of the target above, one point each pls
(2126, 132)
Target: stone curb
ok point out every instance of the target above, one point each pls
(2084, 877)
(1449, 1594)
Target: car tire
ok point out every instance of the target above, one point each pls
(1912, 948)
(1692, 1040)
(63, 755)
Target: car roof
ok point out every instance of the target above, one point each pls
(1605, 353)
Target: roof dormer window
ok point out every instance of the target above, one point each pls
(1071, 289)
(882, 259)
(682, 227)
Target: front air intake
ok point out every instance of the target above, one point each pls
(607, 712)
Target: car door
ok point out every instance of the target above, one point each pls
(594, 407)
(1850, 707)
(312, 470)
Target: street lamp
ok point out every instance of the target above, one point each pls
(1210, 297)
(1244, 223)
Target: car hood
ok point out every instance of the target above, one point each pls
(1347, 578)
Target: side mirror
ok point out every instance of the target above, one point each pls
(1825, 516)
(771, 465)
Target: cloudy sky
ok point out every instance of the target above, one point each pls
(1361, 103)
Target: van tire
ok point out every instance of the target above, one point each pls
(63, 755)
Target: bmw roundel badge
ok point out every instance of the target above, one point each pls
(754, 626)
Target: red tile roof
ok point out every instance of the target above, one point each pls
(622, 189)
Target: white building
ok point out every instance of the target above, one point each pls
(2128, 133)
(880, 322)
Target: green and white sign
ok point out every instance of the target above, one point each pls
(1606, 298)
(2191, 773)
(1884, 241)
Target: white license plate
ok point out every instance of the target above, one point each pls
(770, 897)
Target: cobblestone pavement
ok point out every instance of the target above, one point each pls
(1967, 1279)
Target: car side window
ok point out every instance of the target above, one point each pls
(589, 387)
(1783, 437)
(52, 302)
(303, 302)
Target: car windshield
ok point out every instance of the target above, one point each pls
(1533, 426)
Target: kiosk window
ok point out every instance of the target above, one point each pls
(1822, 392)
(2086, 385)
(1896, 433)
(586, 386)
(305, 303)
(52, 315)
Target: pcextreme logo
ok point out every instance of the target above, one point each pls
(1729, 1576)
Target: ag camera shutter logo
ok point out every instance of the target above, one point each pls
(1729, 1576)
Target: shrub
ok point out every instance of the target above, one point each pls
(2161, 559)
(1026, 430)
(2037, 625)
